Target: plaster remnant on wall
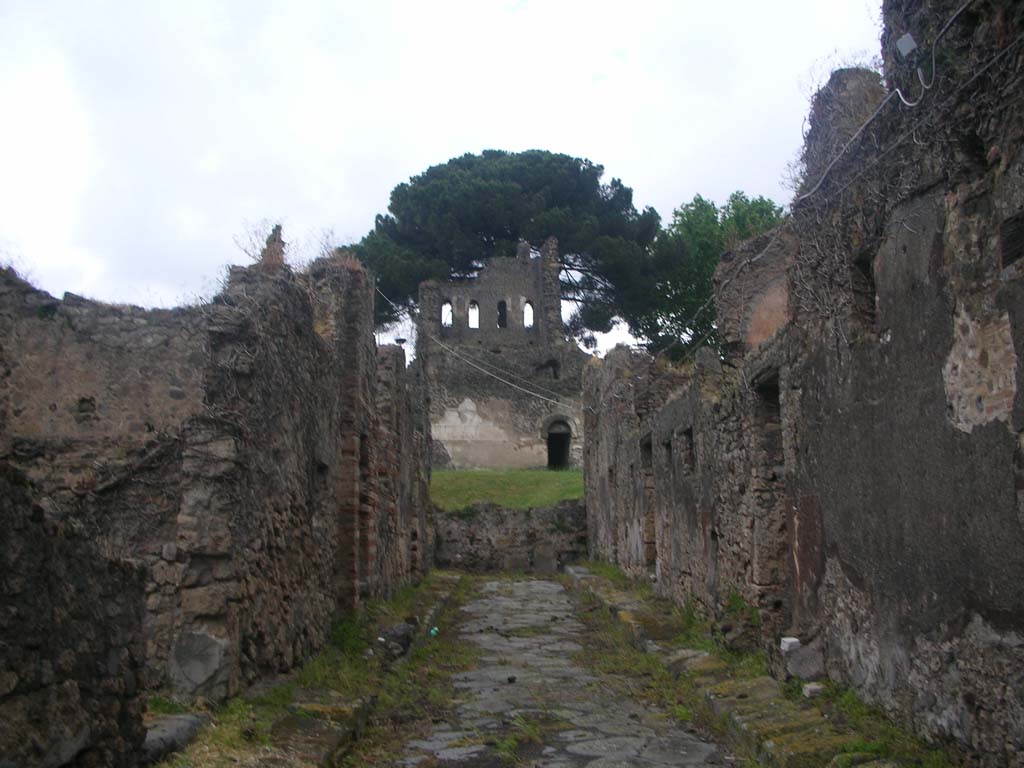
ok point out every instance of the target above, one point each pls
(466, 423)
(854, 641)
(493, 382)
(769, 314)
(980, 374)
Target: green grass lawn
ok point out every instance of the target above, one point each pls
(453, 489)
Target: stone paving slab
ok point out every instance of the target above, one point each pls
(759, 718)
(526, 686)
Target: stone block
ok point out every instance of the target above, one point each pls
(199, 664)
(210, 600)
(545, 558)
(789, 644)
(813, 690)
(806, 662)
(171, 733)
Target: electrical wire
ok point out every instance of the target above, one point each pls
(897, 92)
(786, 222)
(479, 368)
(514, 375)
(850, 142)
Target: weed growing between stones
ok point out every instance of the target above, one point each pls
(418, 690)
(860, 733)
(161, 705)
(738, 609)
(878, 735)
(467, 514)
(561, 526)
(524, 736)
(521, 738)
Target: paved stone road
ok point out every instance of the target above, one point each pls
(526, 682)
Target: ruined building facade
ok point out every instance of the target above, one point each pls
(851, 462)
(484, 340)
(191, 497)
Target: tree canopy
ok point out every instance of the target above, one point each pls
(617, 262)
(684, 258)
(449, 220)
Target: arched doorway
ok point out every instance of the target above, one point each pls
(559, 439)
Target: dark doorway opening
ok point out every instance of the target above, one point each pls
(768, 413)
(559, 443)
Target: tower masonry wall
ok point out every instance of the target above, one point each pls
(480, 415)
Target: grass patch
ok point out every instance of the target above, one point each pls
(161, 705)
(684, 626)
(865, 730)
(242, 727)
(418, 690)
(524, 731)
(878, 736)
(695, 630)
(739, 609)
(610, 651)
(455, 490)
(609, 572)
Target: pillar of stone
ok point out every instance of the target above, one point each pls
(551, 293)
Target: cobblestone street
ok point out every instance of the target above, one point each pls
(528, 699)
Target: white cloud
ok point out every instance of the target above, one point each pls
(139, 138)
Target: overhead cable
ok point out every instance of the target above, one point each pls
(850, 142)
(897, 92)
(474, 365)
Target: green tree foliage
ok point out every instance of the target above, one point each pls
(452, 218)
(685, 255)
(617, 262)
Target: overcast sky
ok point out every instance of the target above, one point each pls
(138, 138)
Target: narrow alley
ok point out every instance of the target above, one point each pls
(528, 697)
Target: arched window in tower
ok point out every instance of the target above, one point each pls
(446, 315)
(474, 315)
(502, 314)
(528, 315)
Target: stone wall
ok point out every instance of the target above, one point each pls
(480, 415)
(487, 538)
(256, 455)
(850, 466)
(70, 641)
(618, 461)
(92, 406)
(404, 525)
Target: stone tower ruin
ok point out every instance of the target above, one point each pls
(505, 382)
